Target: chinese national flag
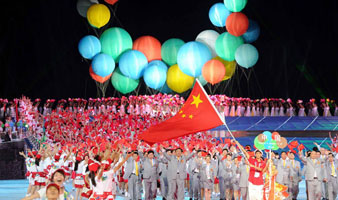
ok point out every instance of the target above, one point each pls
(197, 114)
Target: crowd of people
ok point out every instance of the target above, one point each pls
(196, 166)
(94, 144)
(20, 115)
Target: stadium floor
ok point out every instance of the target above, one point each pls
(16, 189)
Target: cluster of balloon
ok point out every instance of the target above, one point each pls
(270, 141)
(174, 65)
(234, 45)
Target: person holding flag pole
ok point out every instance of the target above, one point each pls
(199, 114)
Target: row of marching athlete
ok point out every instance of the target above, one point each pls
(176, 172)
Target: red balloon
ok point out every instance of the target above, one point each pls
(213, 71)
(98, 78)
(275, 136)
(237, 24)
(149, 46)
(111, 2)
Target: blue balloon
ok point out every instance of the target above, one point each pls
(133, 63)
(165, 89)
(89, 46)
(252, 33)
(268, 145)
(218, 14)
(192, 56)
(246, 55)
(268, 136)
(155, 75)
(103, 64)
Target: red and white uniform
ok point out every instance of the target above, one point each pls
(99, 192)
(79, 173)
(87, 190)
(66, 167)
(111, 180)
(40, 178)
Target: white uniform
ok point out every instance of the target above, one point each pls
(30, 165)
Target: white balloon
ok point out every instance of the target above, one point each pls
(208, 37)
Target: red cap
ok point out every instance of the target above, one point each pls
(53, 185)
(93, 167)
(78, 158)
(57, 157)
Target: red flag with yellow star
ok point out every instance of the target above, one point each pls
(197, 114)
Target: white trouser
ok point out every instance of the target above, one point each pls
(255, 192)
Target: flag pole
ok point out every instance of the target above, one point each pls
(219, 115)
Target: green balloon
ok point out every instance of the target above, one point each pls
(202, 80)
(274, 145)
(115, 41)
(170, 49)
(122, 83)
(235, 5)
(258, 144)
(226, 45)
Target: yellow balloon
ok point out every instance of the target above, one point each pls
(177, 80)
(98, 15)
(230, 67)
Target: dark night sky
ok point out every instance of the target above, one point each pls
(39, 56)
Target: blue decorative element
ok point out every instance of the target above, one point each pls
(132, 64)
(103, 64)
(89, 46)
(218, 14)
(191, 57)
(252, 33)
(246, 55)
(155, 75)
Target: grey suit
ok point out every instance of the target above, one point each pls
(295, 178)
(314, 176)
(243, 171)
(133, 180)
(194, 178)
(177, 173)
(220, 174)
(163, 171)
(150, 170)
(332, 180)
(283, 169)
(207, 181)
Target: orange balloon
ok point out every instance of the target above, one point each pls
(282, 143)
(98, 78)
(230, 67)
(149, 46)
(213, 71)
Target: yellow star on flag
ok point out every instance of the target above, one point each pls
(196, 100)
(183, 115)
(190, 116)
(180, 111)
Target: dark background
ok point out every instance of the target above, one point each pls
(297, 46)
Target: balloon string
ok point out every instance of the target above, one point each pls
(115, 16)
(259, 86)
(209, 87)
